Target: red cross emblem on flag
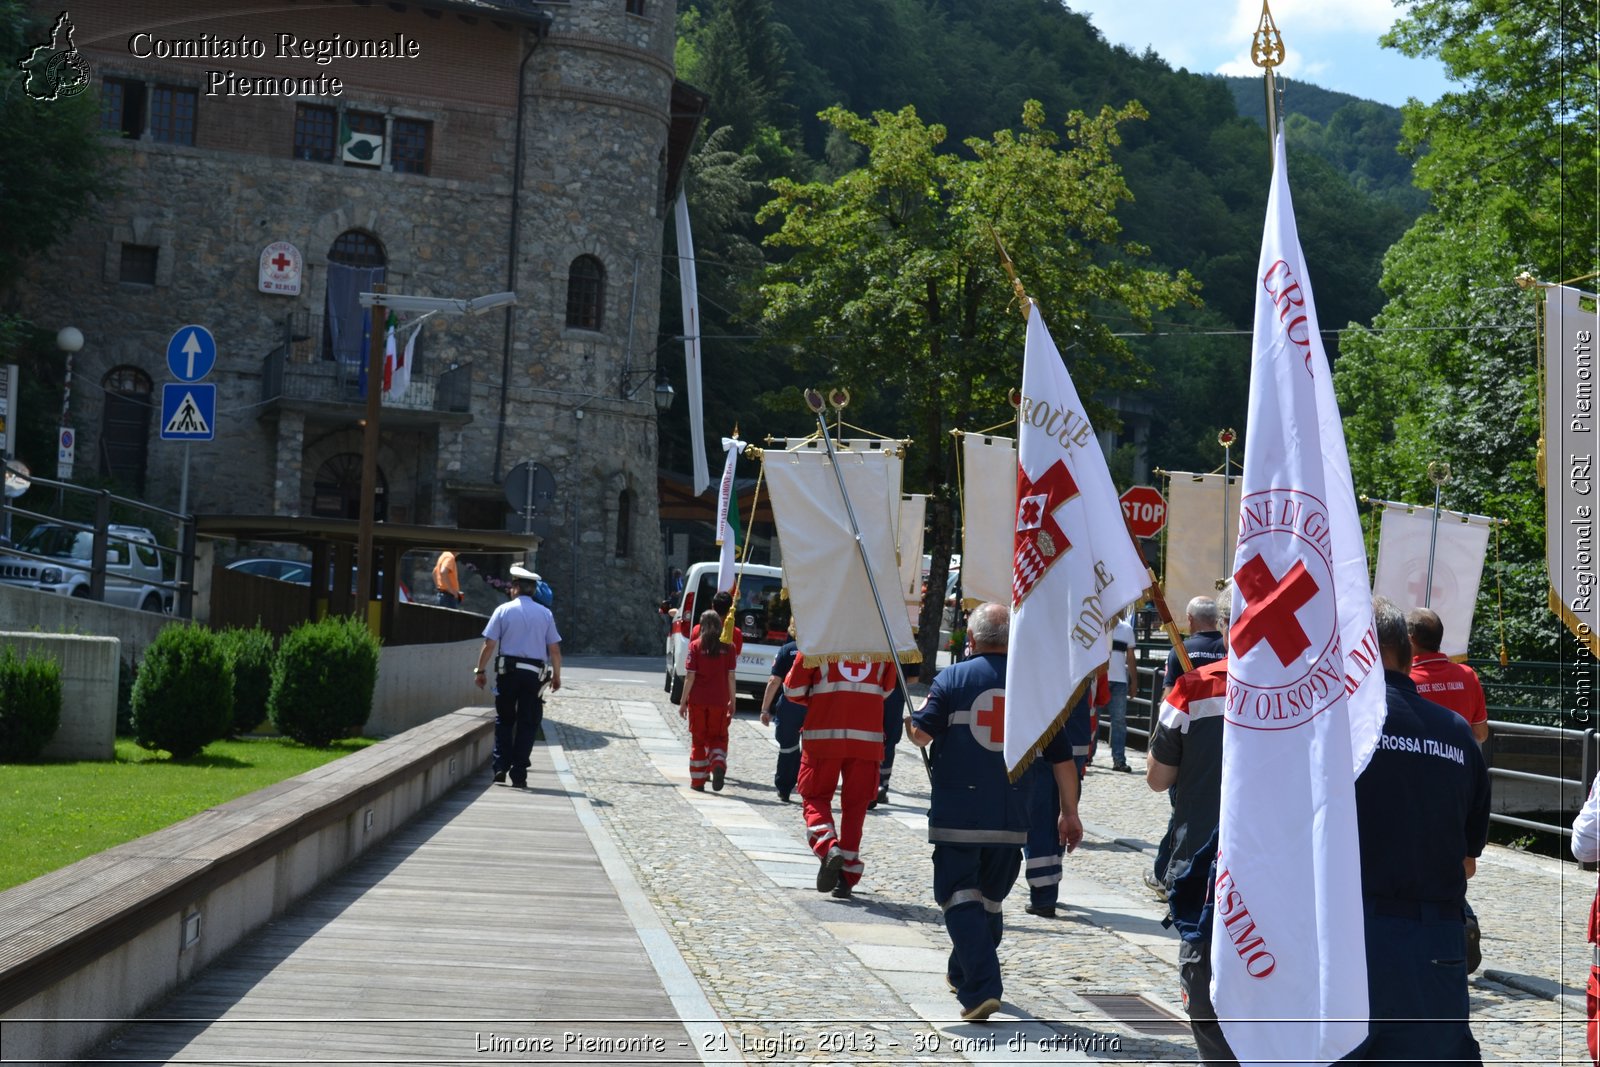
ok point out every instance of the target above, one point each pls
(1271, 614)
(1039, 540)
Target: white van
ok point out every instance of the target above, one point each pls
(761, 613)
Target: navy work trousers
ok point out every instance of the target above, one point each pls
(970, 882)
(518, 709)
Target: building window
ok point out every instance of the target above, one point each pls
(125, 427)
(361, 139)
(336, 489)
(354, 248)
(139, 264)
(586, 290)
(122, 106)
(172, 114)
(624, 522)
(409, 155)
(314, 129)
(635, 7)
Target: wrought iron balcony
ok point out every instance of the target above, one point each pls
(301, 369)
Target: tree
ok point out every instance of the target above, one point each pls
(53, 166)
(894, 287)
(1449, 372)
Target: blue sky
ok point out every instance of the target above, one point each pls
(1334, 45)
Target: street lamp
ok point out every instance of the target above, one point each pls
(379, 302)
(662, 394)
(70, 340)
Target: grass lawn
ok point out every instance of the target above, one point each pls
(56, 813)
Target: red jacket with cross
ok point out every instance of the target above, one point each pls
(844, 707)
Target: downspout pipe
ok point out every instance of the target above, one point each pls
(540, 32)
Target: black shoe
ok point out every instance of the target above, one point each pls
(1044, 911)
(883, 795)
(717, 775)
(841, 892)
(499, 777)
(1123, 767)
(519, 785)
(783, 795)
(828, 873)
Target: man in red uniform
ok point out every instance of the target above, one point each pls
(1455, 685)
(841, 742)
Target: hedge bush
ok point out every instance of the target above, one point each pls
(323, 680)
(30, 704)
(250, 653)
(183, 696)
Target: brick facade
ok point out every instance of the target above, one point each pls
(597, 103)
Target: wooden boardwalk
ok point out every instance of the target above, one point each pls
(484, 930)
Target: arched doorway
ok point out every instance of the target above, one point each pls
(125, 426)
(336, 489)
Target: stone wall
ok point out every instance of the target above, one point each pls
(597, 103)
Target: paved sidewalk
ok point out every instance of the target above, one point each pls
(611, 902)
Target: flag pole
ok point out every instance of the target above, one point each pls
(819, 408)
(1153, 590)
(1438, 474)
(1267, 52)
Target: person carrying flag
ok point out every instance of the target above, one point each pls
(978, 818)
(709, 699)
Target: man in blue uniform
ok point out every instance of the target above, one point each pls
(1042, 853)
(789, 715)
(1422, 806)
(524, 634)
(978, 820)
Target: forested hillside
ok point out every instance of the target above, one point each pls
(1197, 172)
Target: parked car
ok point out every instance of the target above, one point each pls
(133, 566)
(298, 572)
(761, 613)
(285, 570)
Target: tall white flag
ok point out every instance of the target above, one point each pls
(689, 294)
(1074, 565)
(727, 505)
(1287, 953)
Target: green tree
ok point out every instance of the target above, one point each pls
(54, 163)
(1449, 372)
(894, 289)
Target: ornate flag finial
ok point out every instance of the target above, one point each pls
(1266, 45)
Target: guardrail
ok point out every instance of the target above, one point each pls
(181, 586)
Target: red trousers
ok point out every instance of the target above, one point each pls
(818, 780)
(708, 742)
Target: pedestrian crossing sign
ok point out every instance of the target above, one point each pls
(188, 411)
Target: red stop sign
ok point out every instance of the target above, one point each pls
(1146, 510)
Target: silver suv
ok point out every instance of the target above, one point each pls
(133, 566)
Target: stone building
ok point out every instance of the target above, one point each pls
(449, 147)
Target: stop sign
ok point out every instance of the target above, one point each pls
(1145, 509)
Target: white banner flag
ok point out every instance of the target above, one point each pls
(988, 517)
(1404, 541)
(1202, 526)
(1571, 328)
(834, 612)
(913, 517)
(1288, 955)
(1074, 565)
(689, 294)
(726, 501)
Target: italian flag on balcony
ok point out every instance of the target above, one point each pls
(397, 365)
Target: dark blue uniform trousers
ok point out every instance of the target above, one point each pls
(969, 882)
(1416, 986)
(788, 718)
(894, 728)
(1044, 840)
(518, 708)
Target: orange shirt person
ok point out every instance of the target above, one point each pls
(446, 580)
(709, 697)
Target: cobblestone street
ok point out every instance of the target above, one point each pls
(796, 976)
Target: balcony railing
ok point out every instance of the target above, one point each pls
(296, 370)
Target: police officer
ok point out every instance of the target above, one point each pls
(524, 634)
(978, 819)
(1422, 806)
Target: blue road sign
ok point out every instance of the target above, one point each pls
(188, 411)
(191, 353)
